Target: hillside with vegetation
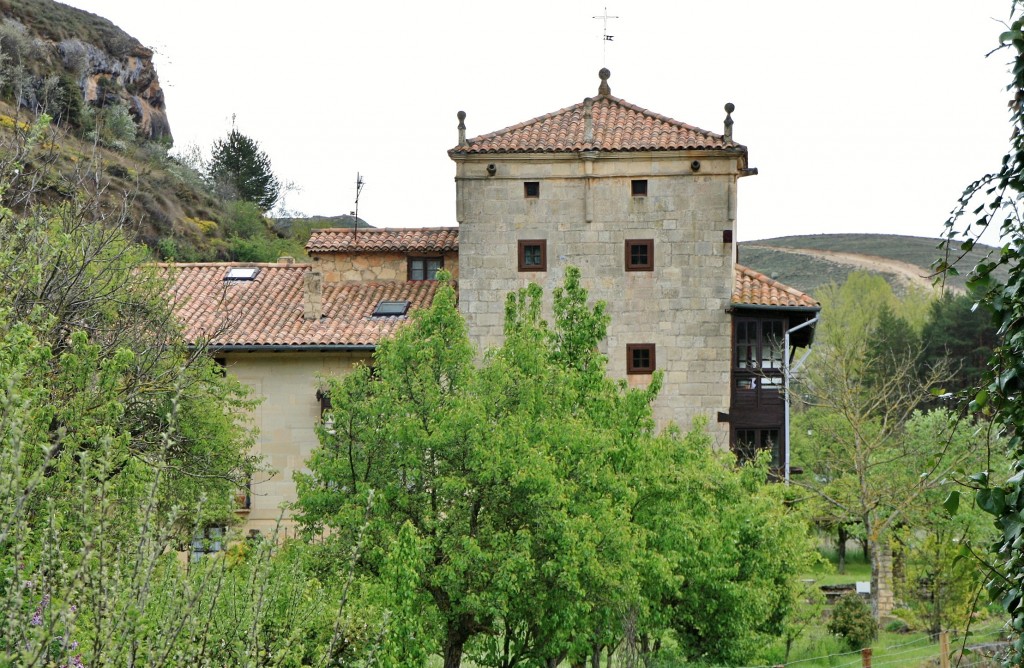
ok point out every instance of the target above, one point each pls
(810, 262)
(94, 93)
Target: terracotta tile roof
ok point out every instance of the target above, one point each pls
(752, 288)
(384, 240)
(618, 126)
(268, 311)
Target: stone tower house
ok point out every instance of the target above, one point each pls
(643, 204)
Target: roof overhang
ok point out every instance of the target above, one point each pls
(769, 307)
(323, 348)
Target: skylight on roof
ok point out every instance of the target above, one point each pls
(241, 273)
(391, 308)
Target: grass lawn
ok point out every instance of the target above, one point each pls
(857, 569)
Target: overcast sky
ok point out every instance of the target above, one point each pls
(866, 116)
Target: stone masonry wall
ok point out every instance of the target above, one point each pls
(680, 306)
(344, 267)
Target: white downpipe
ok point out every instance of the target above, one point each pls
(786, 374)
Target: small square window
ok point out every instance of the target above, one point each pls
(638, 187)
(386, 308)
(424, 268)
(533, 255)
(640, 358)
(531, 189)
(639, 254)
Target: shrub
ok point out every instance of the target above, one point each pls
(207, 227)
(852, 620)
(244, 220)
(113, 127)
(897, 626)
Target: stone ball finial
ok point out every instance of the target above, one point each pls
(462, 128)
(729, 108)
(604, 88)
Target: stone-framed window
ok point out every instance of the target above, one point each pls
(531, 189)
(424, 268)
(533, 255)
(639, 254)
(638, 187)
(640, 358)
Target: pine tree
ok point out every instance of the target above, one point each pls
(242, 171)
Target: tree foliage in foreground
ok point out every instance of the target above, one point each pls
(116, 444)
(994, 200)
(553, 522)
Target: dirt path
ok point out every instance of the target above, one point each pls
(910, 275)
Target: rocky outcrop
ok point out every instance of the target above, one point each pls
(129, 79)
(45, 41)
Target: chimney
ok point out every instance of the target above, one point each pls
(312, 295)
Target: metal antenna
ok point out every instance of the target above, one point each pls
(605, 37)
(355, 214)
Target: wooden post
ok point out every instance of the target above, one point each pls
(943, 650)
(865, 657)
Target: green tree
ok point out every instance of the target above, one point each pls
(960, 335)
(939, 584)
(405, 643)
(864, 384)
(555, 523)
(238, 169)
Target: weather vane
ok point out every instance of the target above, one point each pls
(606, 37)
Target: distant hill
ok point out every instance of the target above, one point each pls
(300, 227)
(809, 262)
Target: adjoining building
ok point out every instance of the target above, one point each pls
(644, 205)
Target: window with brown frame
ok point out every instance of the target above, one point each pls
(640, 358)
(638, 187)
(639, 254)
(424, 268)
(533, 255)
(531, 189)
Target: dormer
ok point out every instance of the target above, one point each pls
(384, 254)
